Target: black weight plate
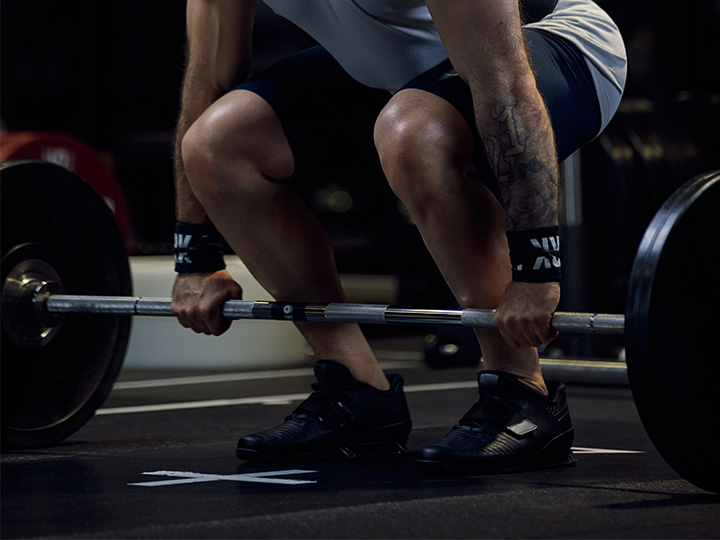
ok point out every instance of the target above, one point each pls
(50, 214)
(671, 331)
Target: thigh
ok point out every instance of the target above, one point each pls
(326, 115)
(563, 79)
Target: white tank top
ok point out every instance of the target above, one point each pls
(386, 43)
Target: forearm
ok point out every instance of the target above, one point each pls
(520, 146)
(218, 56)
(485, 43)
(187, 208)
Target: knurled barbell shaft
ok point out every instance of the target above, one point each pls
(587, 323)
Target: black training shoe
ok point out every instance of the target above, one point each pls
(511, 428)
(343, 417)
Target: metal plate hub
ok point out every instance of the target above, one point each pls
(23, 291)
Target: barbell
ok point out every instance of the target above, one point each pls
(64, 262)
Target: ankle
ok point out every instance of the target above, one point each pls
(532, 378)
(367, 373)
(534, 384)
(346, 344)
(522, 363)
(375, 377)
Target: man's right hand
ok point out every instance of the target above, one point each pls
(197, 301)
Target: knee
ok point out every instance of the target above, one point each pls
(197, 150)
(235, 140)
(419, 140)
(205, 154)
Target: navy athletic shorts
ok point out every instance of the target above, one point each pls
(328, 116)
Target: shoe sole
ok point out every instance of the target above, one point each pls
(382, 442)
(556, 453)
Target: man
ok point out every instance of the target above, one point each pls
(449, 92)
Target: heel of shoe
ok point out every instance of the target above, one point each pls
(558, 452)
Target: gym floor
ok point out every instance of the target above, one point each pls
(157, 461)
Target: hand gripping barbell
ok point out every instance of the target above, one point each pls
(58, 235)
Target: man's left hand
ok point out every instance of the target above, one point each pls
(525, 313)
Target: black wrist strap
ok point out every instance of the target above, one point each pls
(198, 248)
(535, 255)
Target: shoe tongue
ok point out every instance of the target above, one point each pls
(487, 380)
(498, 382)
(327, 371)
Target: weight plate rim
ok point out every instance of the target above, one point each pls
(639, 299)
(54, 432)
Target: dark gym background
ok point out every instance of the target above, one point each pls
(109, 73)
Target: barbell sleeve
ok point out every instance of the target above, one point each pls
(587, 323)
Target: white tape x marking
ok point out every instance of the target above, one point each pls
(259, 477)
(584, 450)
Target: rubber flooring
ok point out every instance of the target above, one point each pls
(157, 461)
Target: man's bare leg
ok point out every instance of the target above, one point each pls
(425, 147)
(232, 156)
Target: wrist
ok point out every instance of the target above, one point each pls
(198, 248)
(535, 255)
